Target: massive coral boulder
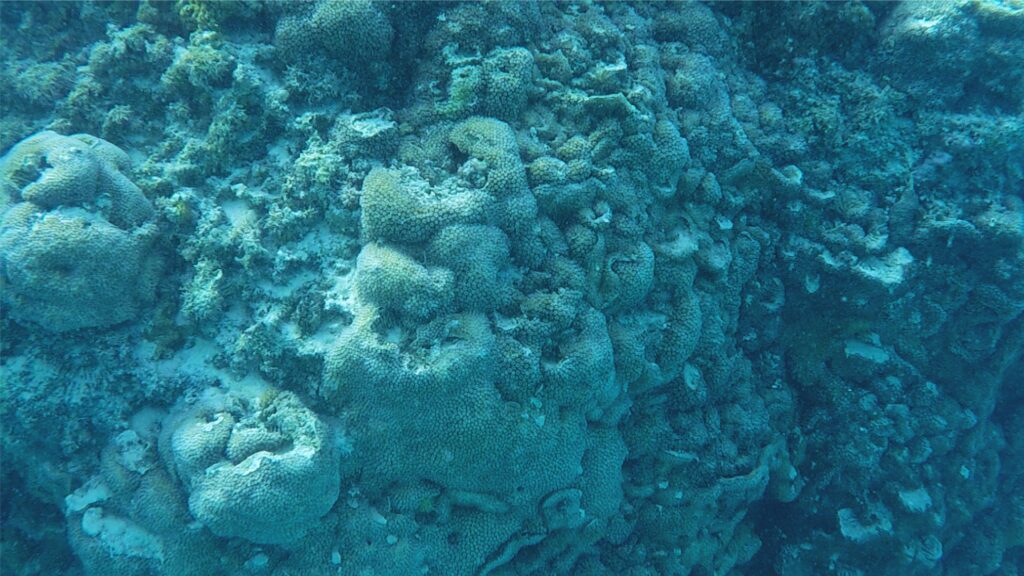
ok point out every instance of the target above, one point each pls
(422, 406)
(76, 245)
(256, 465)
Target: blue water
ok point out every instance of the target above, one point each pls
(511, 288)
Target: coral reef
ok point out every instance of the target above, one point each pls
(511, 288)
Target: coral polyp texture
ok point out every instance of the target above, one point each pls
(76, 235)
(244, 459)
(511, 288)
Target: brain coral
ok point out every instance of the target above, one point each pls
(398, 206)
(493, 142)
(76, 247)
(394, 281)
(353, 31)
(509, 74)
(477, 254)
(422, 406)
(245, 456)
(51, 170)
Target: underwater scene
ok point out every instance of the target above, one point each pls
(511, 288)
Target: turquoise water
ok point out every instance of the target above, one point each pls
(511, 288)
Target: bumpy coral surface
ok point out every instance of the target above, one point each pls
(244, 459)
(511, 288)
(76, 245)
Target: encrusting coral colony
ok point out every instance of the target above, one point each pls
(512, 288)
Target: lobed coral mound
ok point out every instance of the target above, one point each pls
(76, 236)
(244, 459)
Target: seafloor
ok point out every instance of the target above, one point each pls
(512, 288)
